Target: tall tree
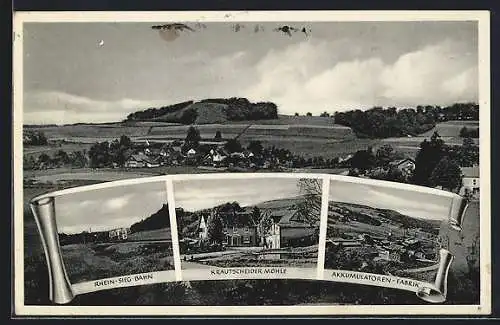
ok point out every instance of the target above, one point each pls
(429, 155)
(125, 142)
(256, 215)
(218, 136)
(385, 154)
(311, 189)
(468, 153)
(447, 174)
(61, 156)
(233, 145)
(256, 147)
(193, 137)
(215, 228)
(363, 160)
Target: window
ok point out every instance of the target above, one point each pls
(246, 240)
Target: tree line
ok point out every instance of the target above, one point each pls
(379, 122)
(34, 138)
(469, 132)
(60, 158)
(105, 154)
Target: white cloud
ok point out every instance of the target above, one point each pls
(308, 76)
(403, 201)
(118, 202)
(59, 108)
(108, 208)
(202, 194)
(463, 85)
(303, 77)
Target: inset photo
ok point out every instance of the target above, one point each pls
(115, 231)
(386, 230)
(252, 222)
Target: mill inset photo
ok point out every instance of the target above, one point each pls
(248, 222)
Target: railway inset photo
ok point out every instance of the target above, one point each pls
(253, 222)
(116, 231)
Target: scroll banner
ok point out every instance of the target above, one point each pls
(143, 231)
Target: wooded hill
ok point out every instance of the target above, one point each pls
(217, 110)
(159, 219)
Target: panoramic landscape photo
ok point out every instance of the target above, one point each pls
(254, 222)
(384, 100)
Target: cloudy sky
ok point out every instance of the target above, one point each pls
(194, 195)
(409, 203)
(97, 72)
(108, 208)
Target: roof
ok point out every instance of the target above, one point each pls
(400, 161)
(289, 218)
(470, 171)
(143, 158)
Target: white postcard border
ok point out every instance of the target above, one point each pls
(484, 98)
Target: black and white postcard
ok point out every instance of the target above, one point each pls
(252, 163)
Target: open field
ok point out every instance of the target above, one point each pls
(157, 234)
(62, 175)
(92, 130)
(449, 132)
(292, 120)
(36, 151)
(305, 135)
(451, 128)
(87, 262)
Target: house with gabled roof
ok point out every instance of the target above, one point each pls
(290, 229)
(239, 228)
(406, 165)
(141, 160)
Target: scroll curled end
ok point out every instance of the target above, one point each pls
(437, 292)
(457, 213)
(60, 291)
